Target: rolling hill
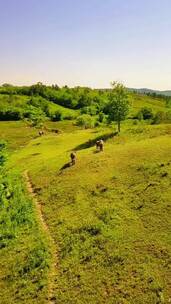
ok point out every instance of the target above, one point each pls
(108, 216)
(96, 232)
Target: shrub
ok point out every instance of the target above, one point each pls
(97, 123)
(35, 116)
(145, 113)
(139, 116)
(162, 117)
(85, 121)
(159, 117)
(91, 110)
(11, 114)
(57, 116)
(168, 116)
(69, 116)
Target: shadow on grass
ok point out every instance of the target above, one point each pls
(65, 166)
(35, 154)
(90, 143)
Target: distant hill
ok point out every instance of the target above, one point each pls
(146, 91)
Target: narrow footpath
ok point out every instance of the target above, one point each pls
(53, 268)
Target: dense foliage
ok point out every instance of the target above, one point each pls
(74, 98)
(89, 107)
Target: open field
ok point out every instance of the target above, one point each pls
(109, 215)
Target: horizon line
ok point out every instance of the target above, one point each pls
(82, 86)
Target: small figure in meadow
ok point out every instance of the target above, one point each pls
(41, 132)
(100, 145)
(73, 158)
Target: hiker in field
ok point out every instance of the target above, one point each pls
(73, 158)
(100, 145)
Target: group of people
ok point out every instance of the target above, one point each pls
(99, 147)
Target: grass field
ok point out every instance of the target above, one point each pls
(109, 215)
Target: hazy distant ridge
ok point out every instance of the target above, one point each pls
(146, 90)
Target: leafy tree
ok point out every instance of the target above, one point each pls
(38, 89)
(118, 103)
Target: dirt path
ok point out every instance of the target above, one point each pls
(38, 205)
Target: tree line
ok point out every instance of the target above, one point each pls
(92, 107)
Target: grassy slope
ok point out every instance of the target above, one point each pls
(109, 215)
(20, 101)
(17, 133)
(138, 101)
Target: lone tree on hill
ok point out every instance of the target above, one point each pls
(118, 103)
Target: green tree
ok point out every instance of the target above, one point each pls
(118, 104)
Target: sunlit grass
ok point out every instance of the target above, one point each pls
(109, 214)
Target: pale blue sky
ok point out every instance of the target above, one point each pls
(86, 42)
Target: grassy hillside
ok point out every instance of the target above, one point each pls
(23, 103)
(69, 102)
(109, 214)
(139, 101)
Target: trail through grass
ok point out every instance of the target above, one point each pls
(109, 215)
(53, 268)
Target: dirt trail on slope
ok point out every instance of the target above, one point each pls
(38, 205)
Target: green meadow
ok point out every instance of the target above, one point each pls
(108, 218)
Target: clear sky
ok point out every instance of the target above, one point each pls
(86, 42)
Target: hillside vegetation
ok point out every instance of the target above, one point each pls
(109, 216)
(39, 103)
